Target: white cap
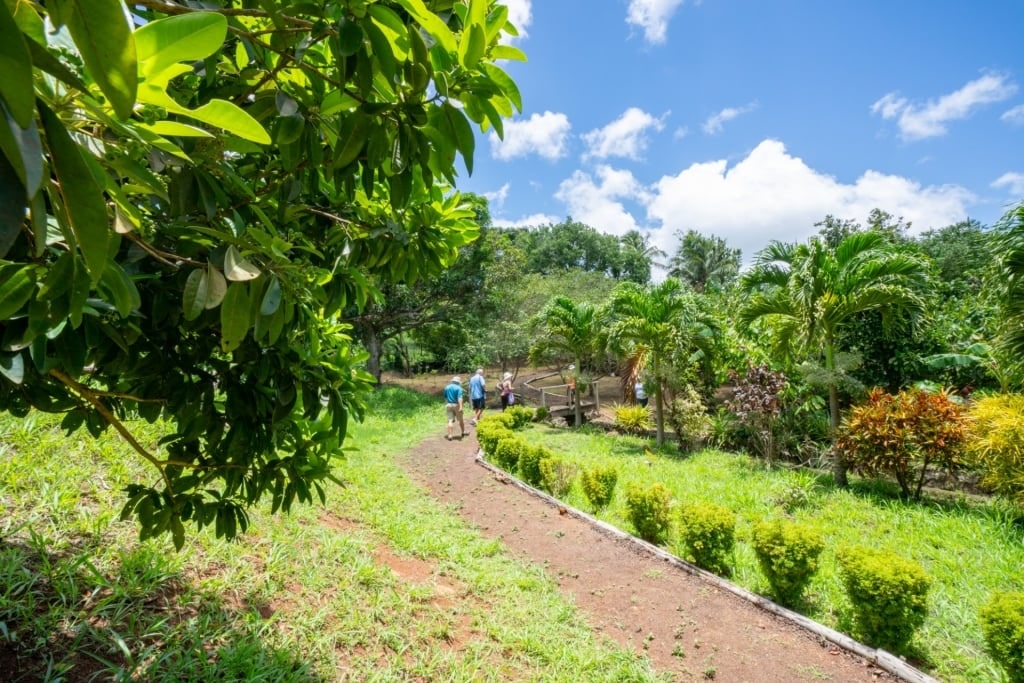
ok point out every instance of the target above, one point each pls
(508, 375)
(456, 379)
(479, 371)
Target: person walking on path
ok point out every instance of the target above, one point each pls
(477, 394)
(641, 395)
(506, 391)
(453, 407)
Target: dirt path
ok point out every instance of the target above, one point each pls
(684, 625)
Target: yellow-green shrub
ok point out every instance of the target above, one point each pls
(508, 452)
(520, 416)
(709, 533)
(996, 443)
(889, 595)
(530, 461)
(650, 510)
(633, 419)
(489, 432)
(1002, 623)
(599, 485)
(788, 555)
(556, 476)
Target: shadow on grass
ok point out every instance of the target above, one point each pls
(399, 403)
(63, 619)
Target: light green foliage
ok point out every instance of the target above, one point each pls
(888, 593)
(540, 413)
(704, 262)
(788, 555)
(599, 485)
(530, 462)
(489, 431)
(689, 419)
(508, 452)
(1002, 622)
(708, 532)
(557, 475)
(520, 416)
(205, 229)
(633, 419)
(996, 443)
(649, 510)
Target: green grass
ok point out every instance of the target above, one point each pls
(968, 548)
(304, 597)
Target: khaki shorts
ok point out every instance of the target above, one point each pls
(453, 411)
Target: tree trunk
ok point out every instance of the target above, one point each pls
(659, 404)
(576, 409)
(838, 466)
(374, 346)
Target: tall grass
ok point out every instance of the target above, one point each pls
(310, 596)
(970, 548)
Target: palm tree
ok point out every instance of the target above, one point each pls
(1011, 340)
(657, 321)
(704, 262)
(810, 291)
(573, 329)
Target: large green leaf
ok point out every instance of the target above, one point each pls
(104, 38)
(16, 67)
(432, 23)
(83, 198)
(164, 43)
(12, 205)
(237, 268)
(23, 150)
(464, 140)
(12, 366)
(16, 285)
(218, 113)
(234, 316)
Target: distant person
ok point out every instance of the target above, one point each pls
(507, 396)
(570, 385)
(477, 394)
(453, 407)
(641, 395)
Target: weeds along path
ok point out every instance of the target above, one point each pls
(684, 625)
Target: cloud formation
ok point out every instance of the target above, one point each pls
(520, 13)
(544, 134)
(1014, 115)
(497, 198)
(918, 121)
(626, 136)
(770, 194)
(1013, 182)
(715, 123)
(653, 17)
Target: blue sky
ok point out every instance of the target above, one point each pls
(753, 119)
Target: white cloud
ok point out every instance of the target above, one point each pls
(773, 195)
(526, 221)
(497, 198)
(714, 123)
(652, 16)
(544, 134)
(1014, 182)
(626, 136)
(680, 133)
(520, 13)
(918, 121)
(1014, 116)
(596, 201)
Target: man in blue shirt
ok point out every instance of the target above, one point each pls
(477, 394)
(453, 406)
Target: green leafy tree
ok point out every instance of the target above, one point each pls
(637, 256)
(704, 262)
(809, 292)
(190, 198)
(573, 330)
(661, 319)
(1011, 288)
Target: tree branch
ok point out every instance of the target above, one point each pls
(170, 8)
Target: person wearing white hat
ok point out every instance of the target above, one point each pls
(453, 407)
(507, 395)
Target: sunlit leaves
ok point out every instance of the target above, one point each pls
(16, 67)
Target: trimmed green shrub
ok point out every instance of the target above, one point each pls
(508, 452)
(529, 464)
(889, 595)
(788, 555)
(556, 476)
(489, 432)
(688, 417)
(1002, 623)
(540, 413)
(709, 533)
(599, 485)
(519, 415)
(633, 419)
(649, 509)
(996, 443)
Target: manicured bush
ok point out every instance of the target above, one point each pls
(649, 510)
(556, 476)
(508, 452)
(519, 415)
(489, 432)
(902, 435)
(633, 419)
(540, 413)
(529, 464)
(1002, 623)
(788, 555)
(688, 417)
(889, 595)
(709, 533)
(599, 485)
(996, 443)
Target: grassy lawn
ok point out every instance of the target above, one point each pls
(310, 596)
(969, 548)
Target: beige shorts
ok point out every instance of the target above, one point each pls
(453, 411)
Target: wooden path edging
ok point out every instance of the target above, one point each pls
(877, 656)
